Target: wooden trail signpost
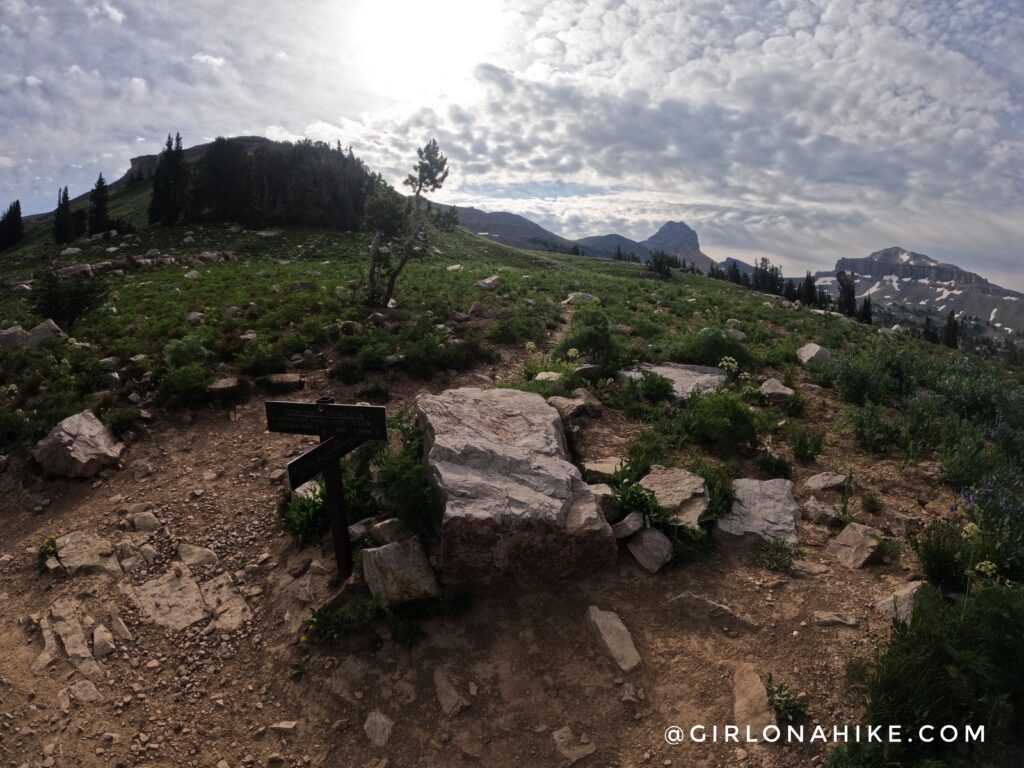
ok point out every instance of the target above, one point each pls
(342, 429)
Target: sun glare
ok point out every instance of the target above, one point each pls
(419, 51)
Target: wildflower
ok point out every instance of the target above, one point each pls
(531, 347)
(971, 531)
(987, 569)
(573, 353)
(729, 365)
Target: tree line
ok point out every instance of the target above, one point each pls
(306, 183)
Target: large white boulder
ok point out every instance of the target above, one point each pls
(810, 354)
(686, 379)
(764, 508)
(80, 446)
(515, 507)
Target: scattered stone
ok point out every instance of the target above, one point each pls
(651, 549)
(578, 297)
(607, 467)
(489, 283)
(225, 602)
(399, 572)
(805, 569)
(6, 560)
(774, 391)
(686, 379)
(810, 354)
(191, 554)
(680, 493)
(378, 728)
(628, 525)
(856, 546)
(764, 508)
(829, 619)
(822, 514)
(548, 376)
(447, 694)
(388, 531)
(223, 389)
(84, 692)
(191, 274)
(571, 748)
(50, 652)
(144, 521)
(284, 726)
(80, 446)
(900, 604)
(65, 624)
(43, 332)
(82, 552)
(704, 609)
(194, 318)
(454, 268)
(102, 642)
(172, 600)
(826, 481)
(607, 627)
(750, 700)
(515, 505)
(281, 382)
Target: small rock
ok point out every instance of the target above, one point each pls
(618, 642)
(571, 748)
(378, 728)
(857, 546)
(651, 549)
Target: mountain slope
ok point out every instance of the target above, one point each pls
(913, 284)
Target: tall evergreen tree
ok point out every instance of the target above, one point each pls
(864, 313)
(12, 228)
(847, 293)
(790, 292)
(808, 294)
(99, 215)
(951, 333)
(62, 226)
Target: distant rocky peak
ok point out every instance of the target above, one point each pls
(674, 237)
(898, 256)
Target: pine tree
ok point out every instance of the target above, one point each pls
(790, 292)
(12, 228)
(847, 293)
(864, 313)
(99, 217)
(62, 227)
(951, 333)
(808, 294)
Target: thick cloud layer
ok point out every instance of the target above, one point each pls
(804, 130)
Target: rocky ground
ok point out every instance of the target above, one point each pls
(166, 635)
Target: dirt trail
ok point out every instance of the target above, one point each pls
(525, 664)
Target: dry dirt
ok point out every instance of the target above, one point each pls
(526, 664)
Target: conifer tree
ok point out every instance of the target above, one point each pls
(808, 294)
(99, 217)
(12, 228)
(847, 293)
(951, 333)
(864, 313)
(62, 226)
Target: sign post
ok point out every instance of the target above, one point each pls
(342, 429)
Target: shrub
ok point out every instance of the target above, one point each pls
(655, 388)
(305, 518)
(375, 392)
(719, 483)
(262, 359)
(121, 419)
(788, 708)
(187, 384)
(515, 327)
(630, 497)
(953, 664)
(874, 431)
(997, 507)
(880, 375)
(64, 301)
(774, 466)
(720, 420)
(777, 555)
(187, 350)
(966, 460)
(806, 443)
(591, 337)
(708, 346)
(945, 555)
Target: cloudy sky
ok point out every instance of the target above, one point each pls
(803, 130)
